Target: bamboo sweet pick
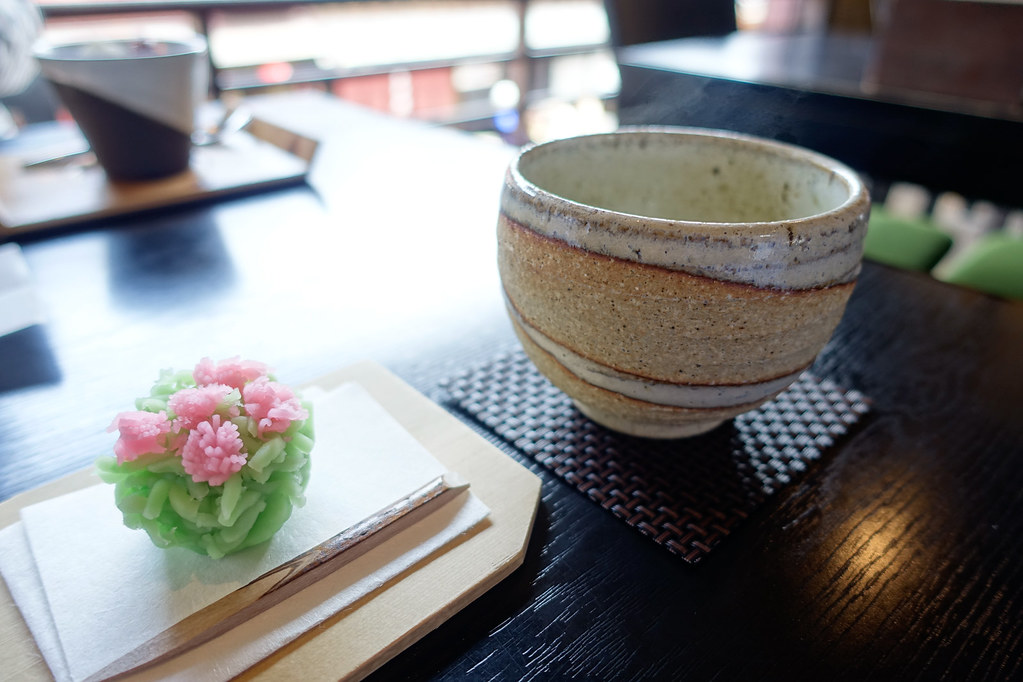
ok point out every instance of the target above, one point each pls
(279, 583)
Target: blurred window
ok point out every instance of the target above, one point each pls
(480, 64)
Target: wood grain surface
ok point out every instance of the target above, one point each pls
(896, 557)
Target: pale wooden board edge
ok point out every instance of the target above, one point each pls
(358, 641)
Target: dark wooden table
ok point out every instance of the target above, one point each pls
(819, 91)
(898, 555)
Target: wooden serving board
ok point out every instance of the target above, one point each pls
(359, 640)
(57, 195)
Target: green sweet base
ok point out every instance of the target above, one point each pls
(155, 494)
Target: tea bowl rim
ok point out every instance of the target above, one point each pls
(856, 203)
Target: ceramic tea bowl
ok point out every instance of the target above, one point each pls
(668, 279)
(135, 100)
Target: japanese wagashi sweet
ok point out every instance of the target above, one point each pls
(213, 459)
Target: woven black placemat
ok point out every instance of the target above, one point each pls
(687, 494)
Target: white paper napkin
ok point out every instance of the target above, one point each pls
(20, 306)
(92, 590)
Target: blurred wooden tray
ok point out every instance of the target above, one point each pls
(360, 639)
(58, 195)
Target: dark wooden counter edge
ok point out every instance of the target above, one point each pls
(890, 141)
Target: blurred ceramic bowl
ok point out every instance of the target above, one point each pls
(668, 279)
(135, 100)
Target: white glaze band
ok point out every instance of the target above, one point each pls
(817, 249)
(688, 396)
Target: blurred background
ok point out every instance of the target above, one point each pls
(520, 69)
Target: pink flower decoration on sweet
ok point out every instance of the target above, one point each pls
(273, 405)
(194, 405)
(142, 433)
(233, 372)
(213, 451)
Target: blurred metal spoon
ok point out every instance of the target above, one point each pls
(233, 121)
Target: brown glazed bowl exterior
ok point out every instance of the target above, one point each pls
(668, 279)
